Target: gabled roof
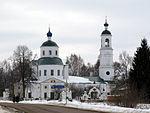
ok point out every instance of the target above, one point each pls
(51, 79)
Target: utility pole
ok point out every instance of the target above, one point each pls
(66, 85)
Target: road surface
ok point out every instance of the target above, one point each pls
(41, 108)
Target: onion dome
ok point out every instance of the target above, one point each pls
(49, 34)
(49, 42)
(106, 25)
(106, 32)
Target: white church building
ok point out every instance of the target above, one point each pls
(53, 76)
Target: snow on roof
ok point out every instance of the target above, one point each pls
(75, 79)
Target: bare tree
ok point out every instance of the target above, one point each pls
(121, 71)
(125, 62)
(75, 65)
(22, 64)
(5, 70)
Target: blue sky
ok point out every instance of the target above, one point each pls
(76, 25)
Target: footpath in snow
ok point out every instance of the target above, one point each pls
(88, 106)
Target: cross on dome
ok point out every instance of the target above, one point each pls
(106, 24)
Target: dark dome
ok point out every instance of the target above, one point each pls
(50, 61)
(106, 24)
(106, 32)
(49, 34)
(49, 43)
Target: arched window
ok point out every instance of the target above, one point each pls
(39, 72)
(56, 52)
(107, 42)
(50, 52)
(45, 72)
(52, 72)
(43, 52)
(58, 72)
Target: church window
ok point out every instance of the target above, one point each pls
(58, 72)
(39, 72)
(43, 52)
(107, 42)
(103, 89)
(45, 72)
(56, 52)
(52, 72)
(108, 93)
(53, 81)
(45, 95)
(107, 73)
(29, 95)
(50, 52)
(45, 87)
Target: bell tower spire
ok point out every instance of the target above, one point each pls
(106, 24)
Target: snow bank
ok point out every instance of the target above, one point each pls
(7, 101)
(89, 106)
(143, 106)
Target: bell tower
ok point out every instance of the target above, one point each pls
(106, 70)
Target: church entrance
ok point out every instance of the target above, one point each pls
(29, 95)
(52, 95)
(94, 95)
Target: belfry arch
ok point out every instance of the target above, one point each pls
(106, 42)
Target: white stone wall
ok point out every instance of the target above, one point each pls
(48, 90)
(34, 89)
(49, 68)
(6, 94)
(103, 71)
(63, 95)
(106, 57)
(38, 90)
(47, 49)
(106, 70)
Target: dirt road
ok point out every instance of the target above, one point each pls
(40, 108)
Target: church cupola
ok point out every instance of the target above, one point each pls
(49, 63)
(49, 48)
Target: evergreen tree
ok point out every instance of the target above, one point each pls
(139, 76)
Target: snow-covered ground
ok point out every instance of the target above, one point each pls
(3, 111)
(89, 106)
